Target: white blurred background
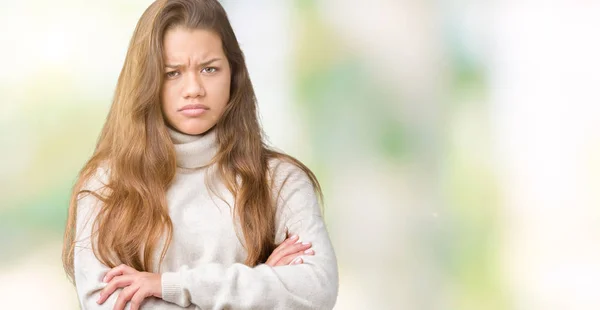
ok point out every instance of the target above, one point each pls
(458, 142)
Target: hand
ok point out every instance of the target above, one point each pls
(289, 252)
(136, 286)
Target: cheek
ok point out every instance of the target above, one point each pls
(224, 87)
(167, 101)
(167, 98)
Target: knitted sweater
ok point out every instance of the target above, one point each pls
(203, 267)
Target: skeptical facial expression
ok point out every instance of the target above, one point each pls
(197, 79)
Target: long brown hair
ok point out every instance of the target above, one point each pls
(136, 149)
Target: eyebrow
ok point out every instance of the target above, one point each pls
(176, 66)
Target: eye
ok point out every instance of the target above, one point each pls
(172, 74)
(209, 70)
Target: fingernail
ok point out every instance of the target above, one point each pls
(294, 237)
(305, 243)
(309, 251)
(297, 261)
(104, 279)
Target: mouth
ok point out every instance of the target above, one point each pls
(193, 110)
(193, 107)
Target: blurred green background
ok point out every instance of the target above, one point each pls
(457, 142)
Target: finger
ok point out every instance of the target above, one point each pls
(297, 261)
(286, 260)
(116, 282)
(117, 271)
(137, 299)
(289, 241)
(125, 295)
(291, 249)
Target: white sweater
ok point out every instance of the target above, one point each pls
(203, 267)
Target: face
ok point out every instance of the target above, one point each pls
(197, 80)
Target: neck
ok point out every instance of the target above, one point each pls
(194, 151)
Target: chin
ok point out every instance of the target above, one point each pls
(194, 130)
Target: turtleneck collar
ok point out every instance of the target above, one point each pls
(194, 151)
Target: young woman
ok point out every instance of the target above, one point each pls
(182, 204)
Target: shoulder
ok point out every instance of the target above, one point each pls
(96, 182)
(286, 169)
(90, 196)
(290, 177)
(293, 189)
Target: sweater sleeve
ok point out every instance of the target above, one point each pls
(88, 270)
(311, 285)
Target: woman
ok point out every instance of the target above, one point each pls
(182, 204)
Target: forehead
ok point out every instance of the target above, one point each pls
(183, 43)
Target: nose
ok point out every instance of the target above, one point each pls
(193, 86)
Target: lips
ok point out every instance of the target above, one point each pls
(193, 110)
(194, 107)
